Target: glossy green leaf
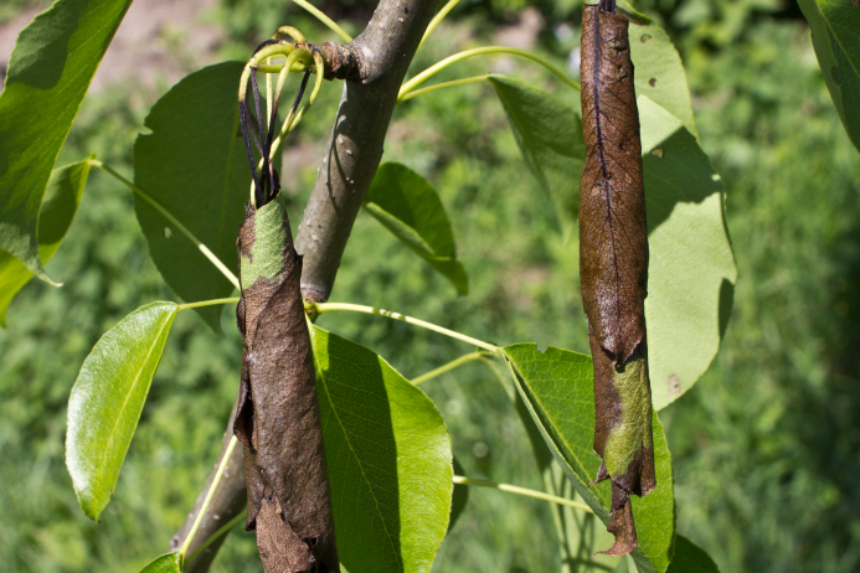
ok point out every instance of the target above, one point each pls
(107, 400)
(389, 460)
(549, 134)
(557, 388)
(690, 558)
(410, 208)
(691, 271)
(62, 197)
(659, 73)
(49, 72)
(167, 563)
(836, 37)
(194, 165)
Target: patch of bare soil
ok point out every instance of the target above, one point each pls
(158, 40)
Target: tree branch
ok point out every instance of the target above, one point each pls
(384, 51)
(381, 56)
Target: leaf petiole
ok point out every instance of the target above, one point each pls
(434, 87)
(461, 480)
(322, 307)
(324, 19)
(437, 19)
(471, 357)
(432, 70)
(211, 302)
(173, 220)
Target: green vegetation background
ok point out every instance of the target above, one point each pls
(765, 446)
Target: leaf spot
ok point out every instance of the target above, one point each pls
(652, 82)
(674, 384)
(658, 151)
(645, 37)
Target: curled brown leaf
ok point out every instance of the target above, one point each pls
(278, 418)
(614, 265)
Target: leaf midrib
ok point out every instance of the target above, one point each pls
(112, 435)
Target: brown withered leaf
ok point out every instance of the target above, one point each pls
(278, 418)
(614, 265)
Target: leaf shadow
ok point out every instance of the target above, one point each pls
(676, 170)
(38, 61)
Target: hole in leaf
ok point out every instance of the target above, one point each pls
(658, 151)
(652, 82)
(167, 232)
(645, 37)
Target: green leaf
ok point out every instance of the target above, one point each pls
(691, 271)
(61, 201)
(194, 165)
(167, 563)
(690, 558)
(409, 207)
(50, 70)
(549, 134)
(836, 37)
(659, 73)
(107, 400)
(389, 460)
(580, 535)
(557, 388)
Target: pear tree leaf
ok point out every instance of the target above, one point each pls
(107, 399)
(659, 73)
(49, 73)
(836, 38)
(557, 388)
(410, 208)
(62, 197)
(167, 563)
(194, 166)
(389, 460)
(690, 558)
(549, 134)
(691, 270)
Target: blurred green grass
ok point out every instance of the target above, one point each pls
(765, 446)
